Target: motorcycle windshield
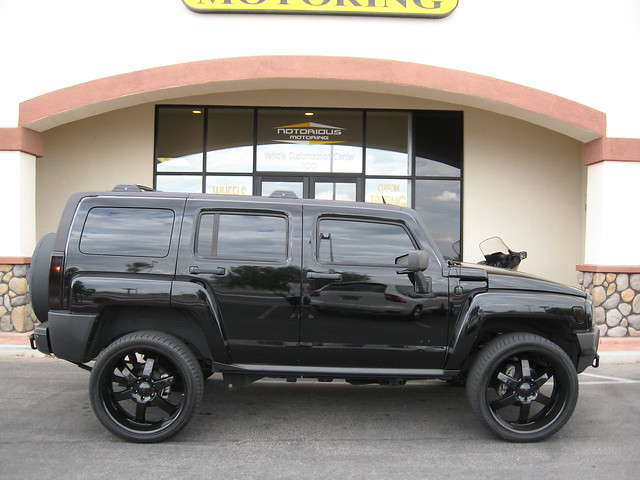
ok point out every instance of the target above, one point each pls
(493, 245)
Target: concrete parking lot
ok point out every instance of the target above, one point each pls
(273, 429)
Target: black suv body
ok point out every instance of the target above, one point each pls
(161, 290)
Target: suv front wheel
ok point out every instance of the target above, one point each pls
(523, 386)
(145, 386)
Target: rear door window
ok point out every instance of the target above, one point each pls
(239, 236)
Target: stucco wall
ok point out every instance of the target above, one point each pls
(526, 184)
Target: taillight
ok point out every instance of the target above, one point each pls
(394, 298)
(55, 282)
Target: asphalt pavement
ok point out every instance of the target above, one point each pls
(276, 430)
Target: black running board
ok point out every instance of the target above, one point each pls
(244, 374)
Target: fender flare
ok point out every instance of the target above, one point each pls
(509, 311)
(196, 298)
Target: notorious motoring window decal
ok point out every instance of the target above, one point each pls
(309, 133)
(401, 8)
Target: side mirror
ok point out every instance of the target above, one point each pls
(416, 261)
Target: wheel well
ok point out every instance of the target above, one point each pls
(555, 331)
(113, 323)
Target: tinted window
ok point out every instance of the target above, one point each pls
(361, 242)
(387, 143)
(438, 203)
(242, 236)
(127, 232)
(438, 143)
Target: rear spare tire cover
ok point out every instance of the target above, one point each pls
(39, 276)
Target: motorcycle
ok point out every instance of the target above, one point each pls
(497, 254)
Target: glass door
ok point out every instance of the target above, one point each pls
(347, 189)
(324, 188)
(282, 186)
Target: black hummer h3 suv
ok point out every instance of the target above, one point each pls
(163, 289)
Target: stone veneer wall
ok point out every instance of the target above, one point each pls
(16, 313)
(616, 301)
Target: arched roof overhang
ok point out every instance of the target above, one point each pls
(312, 72)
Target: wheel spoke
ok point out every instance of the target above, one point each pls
(504, 402)
(525, 408)
(163, 383)
(148, 367)
(163, 404)
(132, 358)
(119, 379)
(541, 380)
(507, 380)
(126, 373)
(122, 395)
(141, 409)
(544, 400)
(526, 369)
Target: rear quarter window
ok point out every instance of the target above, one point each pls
(127, 232)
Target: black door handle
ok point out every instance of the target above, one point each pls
(323, 276)
(207, 271)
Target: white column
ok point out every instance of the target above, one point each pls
(613, 214)
(18, 189)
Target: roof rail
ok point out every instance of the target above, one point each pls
(123, 187)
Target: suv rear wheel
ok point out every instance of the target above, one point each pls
(145, 386)
(523, 386)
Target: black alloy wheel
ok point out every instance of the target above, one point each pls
(523, 387)
(145, 386)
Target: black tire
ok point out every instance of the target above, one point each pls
(145, 386)
(523, 387)
(39, 276)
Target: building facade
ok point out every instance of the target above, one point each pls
(515, 119)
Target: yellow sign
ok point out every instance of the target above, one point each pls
(402, 8)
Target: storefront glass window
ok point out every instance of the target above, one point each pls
(393, 191)
(438, 140)
(179, 140)
(406, 158)
(387, 143)
(179, 183)
(230, 140)
(322, 141)
(229, 185)
(438, 203)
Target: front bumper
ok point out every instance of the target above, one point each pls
(589, 342)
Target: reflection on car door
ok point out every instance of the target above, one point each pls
(361, 311)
